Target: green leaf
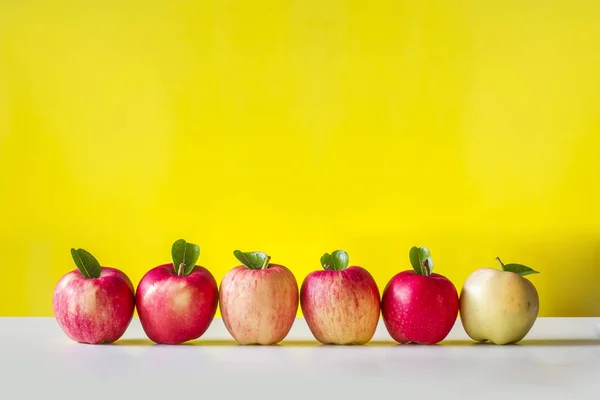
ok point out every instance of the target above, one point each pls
(184, 256)
(519, 269)
(516, 268)
(421, 260)
(253, 259)
(86, 263)
(336, 261)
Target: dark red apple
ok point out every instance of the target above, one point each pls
(419, 306)
(177, 302)
(340, 304)
(258, 300)
(93, 304)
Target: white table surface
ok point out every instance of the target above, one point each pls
(560, 359)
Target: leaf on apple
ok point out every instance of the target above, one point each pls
(336, 261)
(421, 260)
(86, 263)
(516, 268)
(253, 259)
(184, 254)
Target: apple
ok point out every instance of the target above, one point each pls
(177, 302)
(93, 304)
(340, 304)
(419, 306)
(258, 300)
(499, 305)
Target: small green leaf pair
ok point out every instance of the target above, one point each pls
(184, 256)
(421, 260)
(336, 261)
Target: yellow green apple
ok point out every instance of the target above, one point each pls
(499, 305)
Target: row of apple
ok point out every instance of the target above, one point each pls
(259, 300)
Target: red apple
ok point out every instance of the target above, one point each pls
(419, 306)
(93, 304)
(177, 302)
(340, 304)
(258, 300)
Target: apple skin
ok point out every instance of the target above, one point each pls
(94, 311)
(419, 309)
(498, 306)
(341, 307)
(175, 309)
(259, 306)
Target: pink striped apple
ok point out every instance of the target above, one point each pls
(177, 302)
(340, 304)
(258, 300)
(93, 304)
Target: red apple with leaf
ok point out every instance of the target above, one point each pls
(419, 306)
(258, 300)
(340, 304)
(93, 304)
(177, 302)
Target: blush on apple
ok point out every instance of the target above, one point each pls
(93, 304)
(340, 304)
(499, 305)
(258, 300)
(177, 302)
(419, 306)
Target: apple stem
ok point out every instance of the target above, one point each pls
(500, 262)
(180, 269)
(426, 269)
(266, 263)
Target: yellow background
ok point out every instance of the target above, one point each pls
(299, 127)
